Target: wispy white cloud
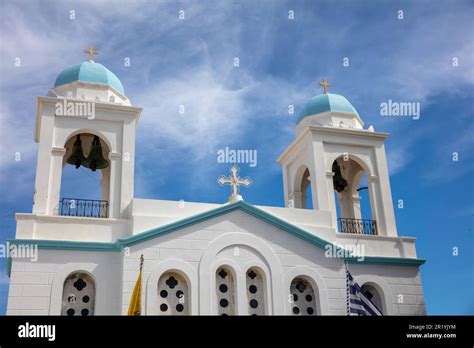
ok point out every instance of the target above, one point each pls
(211, 111)
(189, 63)
(215, 115)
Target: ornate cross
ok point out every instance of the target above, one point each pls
(235, 182)
(91, 53)
(325, 86)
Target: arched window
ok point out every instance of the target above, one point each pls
(255, 292)
(302, 196)
(352, 197)
(173, 294)
(302, 297)
(225, 291)
(85, 179)
(374, 296)
(78, 295)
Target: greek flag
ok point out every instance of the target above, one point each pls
(357, 301)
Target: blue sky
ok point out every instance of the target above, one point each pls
(190, 62)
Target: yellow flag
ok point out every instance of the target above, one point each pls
(135, 306)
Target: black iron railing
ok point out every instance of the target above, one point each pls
(357, 226)
(83, 207)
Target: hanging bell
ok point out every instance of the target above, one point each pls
(338, 181)
(95, 160)
(77, 156)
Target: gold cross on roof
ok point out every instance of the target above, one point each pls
(235, 181)
(325, 86)
(91, 53)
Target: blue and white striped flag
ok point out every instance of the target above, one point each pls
(357, 301)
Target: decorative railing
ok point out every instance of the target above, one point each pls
(83, 207)
(357, 226)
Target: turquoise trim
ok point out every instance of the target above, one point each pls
(326, 102)
(224, 209)
(189, 221)
(377, 260)
(68, 245)
(192, 220)
(89, 72)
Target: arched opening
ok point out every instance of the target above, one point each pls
(225, 291)
(85, 179)
(173, 294)
(255, 292)
(302, 195)
(306, 195)
(352, 197)
(302, 297)
(78, 295)
(373, 295)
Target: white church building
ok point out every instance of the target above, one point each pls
(233, 258)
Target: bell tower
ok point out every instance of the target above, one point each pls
(86, 120)
(339, 160)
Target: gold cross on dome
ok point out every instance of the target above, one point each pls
(91, 53)
(325, 86)
(234, 181)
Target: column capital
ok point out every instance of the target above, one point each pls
(114, 155)
(372, 179)
(356, 198)
(58, 151)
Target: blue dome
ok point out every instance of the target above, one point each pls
(326, 102)
(89, 72)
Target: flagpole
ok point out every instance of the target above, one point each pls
(135, 306)
(348, 297)
(142, 260)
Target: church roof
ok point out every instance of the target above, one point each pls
(192, 220)
(326, 102)
(89, 72)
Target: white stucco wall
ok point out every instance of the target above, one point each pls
(36, 287)
(316, 148)
(196, 252)
(114, 123)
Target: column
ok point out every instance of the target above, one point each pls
(377, 210)
(332, 201)
(386, 202)
(356, 211)
(54, 191)
(295, 200)
(114, 186)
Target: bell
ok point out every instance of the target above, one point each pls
(77, 157)
(95, 160)
(338, 181)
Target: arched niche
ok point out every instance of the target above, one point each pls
(302, 192)
(185, 271)
(374, 294)
(225, 290)
(83, 191)
(79, 293)
(383, 289)
(353, 203)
